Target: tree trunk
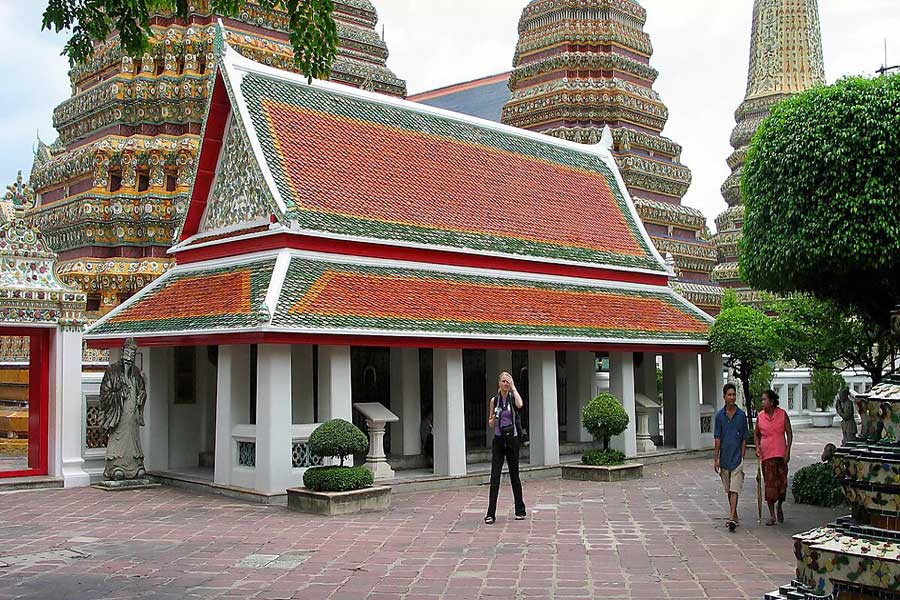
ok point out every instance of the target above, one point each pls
(748, 401)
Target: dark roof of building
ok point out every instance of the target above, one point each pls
(483, 98)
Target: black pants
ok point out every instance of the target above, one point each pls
(505, 448)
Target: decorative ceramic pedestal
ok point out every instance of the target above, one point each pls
(644, 407)
(858, 556)
(377, 417)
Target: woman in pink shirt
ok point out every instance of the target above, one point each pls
(774, 437)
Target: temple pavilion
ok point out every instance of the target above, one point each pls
(327, 220)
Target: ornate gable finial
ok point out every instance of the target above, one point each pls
(19, 195)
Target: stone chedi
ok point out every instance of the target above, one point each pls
(785, 59)
(114, 187)
(583, 64)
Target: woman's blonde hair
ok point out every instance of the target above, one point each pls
(500, 377)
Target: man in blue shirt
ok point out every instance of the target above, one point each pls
(731, 435)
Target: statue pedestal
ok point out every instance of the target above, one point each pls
(377, 417)
(126, 484)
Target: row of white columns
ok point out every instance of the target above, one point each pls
(285, 372)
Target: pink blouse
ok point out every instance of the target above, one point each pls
(772, 429)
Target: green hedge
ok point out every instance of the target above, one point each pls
(338, 438)
(337, 479)
(817, 485)
(604, 458)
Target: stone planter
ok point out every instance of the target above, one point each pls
(339, 503)
(603, 473)
(822, 419)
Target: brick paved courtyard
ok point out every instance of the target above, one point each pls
(660, 537)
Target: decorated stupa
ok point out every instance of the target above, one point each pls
(112, 190)
(785, 59)
(858, 556)
(582, 64)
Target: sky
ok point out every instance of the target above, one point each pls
(701, 50)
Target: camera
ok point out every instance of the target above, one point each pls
(497, 411)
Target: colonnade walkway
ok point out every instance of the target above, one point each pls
(659, 537)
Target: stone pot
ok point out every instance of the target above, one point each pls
(822, 419)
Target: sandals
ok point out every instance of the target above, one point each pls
(731, 524)
(489, 520)
(771, 522)
(520, 517)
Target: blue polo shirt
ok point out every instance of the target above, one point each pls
(731, 433)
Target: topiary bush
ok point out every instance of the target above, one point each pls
(597, 458)
(817, 485)
(338, 438)
(337, 479)
(604, 417)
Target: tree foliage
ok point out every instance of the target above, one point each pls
(826, 383)
(337, 438)
(747, 339)
(821, 187)
(604, 417)
(820, 333)
(313, 32)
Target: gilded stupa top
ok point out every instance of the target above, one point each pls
(786, 48)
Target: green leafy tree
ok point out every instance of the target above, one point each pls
(760, 381)
(821, 187)
(747, 339)
(826, 383)
(821, 333)
(313, 32)
(604, 417)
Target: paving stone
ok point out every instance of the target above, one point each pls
(659, 537)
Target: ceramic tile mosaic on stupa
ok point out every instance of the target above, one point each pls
(858, 556)
(116, 183)
(785, 59)
(580, 65)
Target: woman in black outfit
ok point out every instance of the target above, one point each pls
(502, 418)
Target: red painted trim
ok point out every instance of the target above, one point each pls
(387, 341)
(211, 146)
(38, 401)
(424, 255)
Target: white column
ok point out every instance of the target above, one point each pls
(621, 385)
(66, 412)
(232, 406)
(335, 401)
(273, 418)
(495, 362)
(405, 401)
(157, 367)
(579, 390)
(449, 416)
(543, 429)
(302, 409)
(687, 394)
(713, 374)
(670, 408)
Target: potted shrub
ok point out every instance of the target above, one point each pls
(604, 417)
(338, 488)
(826, 383)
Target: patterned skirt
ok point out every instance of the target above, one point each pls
(775, 471)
